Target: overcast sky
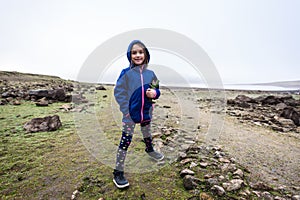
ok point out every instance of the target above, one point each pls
(248, 40)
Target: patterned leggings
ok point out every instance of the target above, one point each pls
(127, 133)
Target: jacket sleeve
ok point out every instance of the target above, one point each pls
(121, 93)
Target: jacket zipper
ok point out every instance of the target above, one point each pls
(142, 81)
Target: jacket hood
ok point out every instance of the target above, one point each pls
(130, 47)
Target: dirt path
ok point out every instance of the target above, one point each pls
(270, 156)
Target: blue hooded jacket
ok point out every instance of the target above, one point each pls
(130, 90)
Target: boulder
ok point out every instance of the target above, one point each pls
(100, 87)
(270, 100)
(291, 113)
(233, 185)
(56, 94)
(189, 182)
(42, 102)
(218, 190)
(49, 123)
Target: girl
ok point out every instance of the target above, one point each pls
(134, 91)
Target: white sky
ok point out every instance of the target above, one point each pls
(248, 40)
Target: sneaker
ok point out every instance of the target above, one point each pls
(156, 155)
(119, 179)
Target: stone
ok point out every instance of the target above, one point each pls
(74, 194)
(193, 164)
(186, 172)
(218, 190)
(285, 122)
(56, 94)
(291, 113)
(3, 102)
(203, 164)
(280, 106)
(279, 198)
(212, 181)
(181, 155)
(260, 186)
(266, 195)
(217, 154)
(233, 185)
(16, 103)
(189, 183)
(228, 167)
(239, 172)
(100, 87)
(185, 161)
(42, 102)
(205, 196)
(224, 160)
(296, 197)
(49, 123)
(156, 135)
(66, 107)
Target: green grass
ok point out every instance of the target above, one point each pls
(51, 165)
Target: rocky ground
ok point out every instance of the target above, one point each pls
(218, 144)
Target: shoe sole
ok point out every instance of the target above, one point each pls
(120, 186)
(157, 159)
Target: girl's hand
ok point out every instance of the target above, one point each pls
(151, 93)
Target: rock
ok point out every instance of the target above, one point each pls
(193, 164)
(189, 142)
(285, 122)
(66, 107)
(217, 148)
(239, 173)
(257, 193)
(49, 123)
(233, 185)
(79, 98)
(156, 135)
(181, 155)
(57, 94)
(260, 186)
(218, 190)
(203, 164)
(165, 106)
(186, 172)
(16, 103)
(38, 93)
(291, 113)
(75, 193)
(280, 106)
(207, 176)
(266, 195)
(296, 197)
(224, 160)
(3, 102)
(185, 161)
(270, 100)
(189, 183)
(221, 178)
(279, 198)
(100, 87)
(42, 102)
(212, 181)
(217, 154)
(205, 196)
(228, 167)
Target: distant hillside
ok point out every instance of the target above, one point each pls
(287, 84)
(18, 76)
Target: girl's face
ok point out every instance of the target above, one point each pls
(137, 54)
